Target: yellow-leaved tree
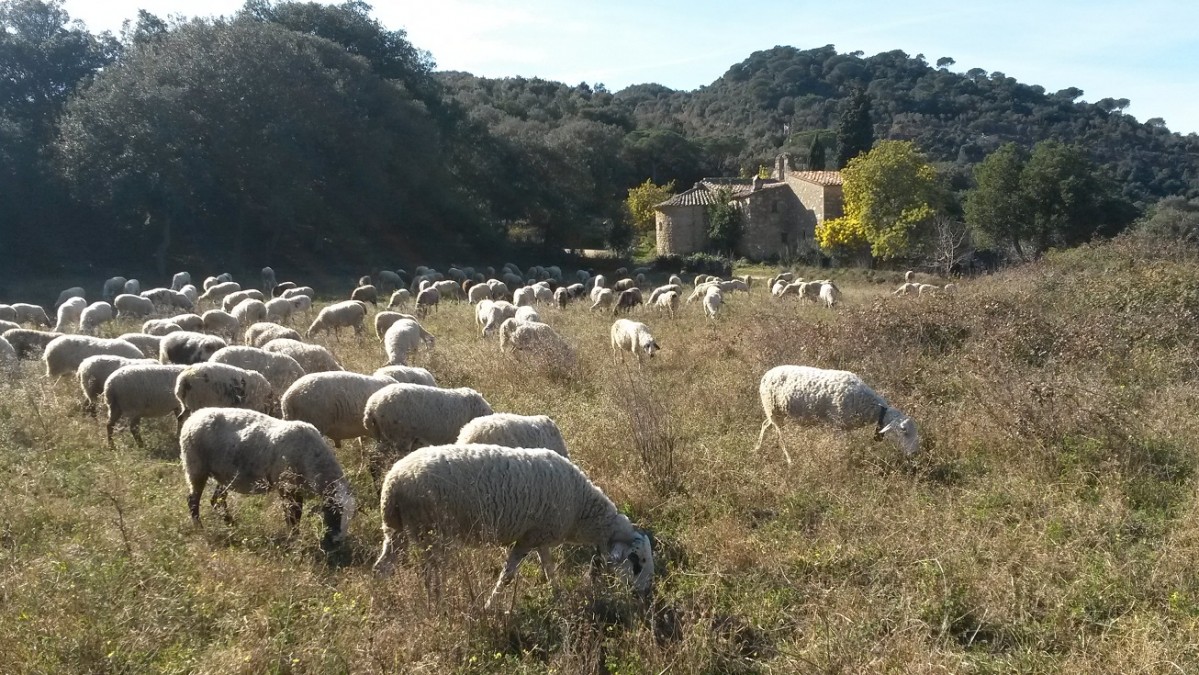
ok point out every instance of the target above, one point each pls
(889, 193)
(640, 203)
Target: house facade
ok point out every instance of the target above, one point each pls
(779, 214)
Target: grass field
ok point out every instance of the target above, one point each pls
(1049, 525)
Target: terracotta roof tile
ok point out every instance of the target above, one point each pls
(704, 192)
(819, 177)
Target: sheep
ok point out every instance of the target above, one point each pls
(478, 293)
(514, 431)
(64, 354)
(33, 314)
(529, 498)
(219, 291)
(280, 370)
(542, 293)
(160, 327)
(364, 280)
(921, 289)
(333, 402)
(653, 296)
(366, 293)
(523, 296)
(165, 298)
(250, 453)
(426, 300)
(499, 289)
(538, 338)
(492, 314)
(950, 288)
(192, 322)
(399, 298)
(281, 288)
(300, 303)
(345, 314)
(268, 281)
(220, 322)
(668, 302)
(830, 295)
(6, 326)
(8, 355)
(627, 300)
(72, 292)
(186, 347)
(713, 299)
(312, 358)
(133, 287)
(906, 289)
(68, 314)
(209, 282)
(625, 284)
(631, 336)
(384, 320)
(7, 313)
(232, 300)
(402, 338)
(448, 289)
(909, 276)
(389, 281)
(113, 287)
(93, 373)
(527, 314)
(179, 280)
(220, 385)
(409, 374)
(836, 398)
(279, 310)
(602, 297)
(299, 290)
(140, 390)
(149, 345)
(249, 311)
(93, 316)
(401, 416)
(561, 297)
(29, 344)
(263, 332)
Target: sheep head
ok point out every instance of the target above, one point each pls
(903, 429)
(635, 560)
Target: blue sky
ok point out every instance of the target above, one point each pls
(1147, 51)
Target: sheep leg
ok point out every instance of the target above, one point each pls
(293, 507)
(547, 565)
(193, 500)
(220, 504)
(518, 554)
(135, 426)
(387, 556)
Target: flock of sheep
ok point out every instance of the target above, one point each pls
(253, 417)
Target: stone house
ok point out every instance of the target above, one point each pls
(779, 214)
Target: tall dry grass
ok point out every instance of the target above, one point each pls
(1049, 524)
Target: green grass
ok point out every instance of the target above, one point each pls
(1049, 524)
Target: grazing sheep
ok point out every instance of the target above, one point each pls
(209, 282)
(68, 314)
(384, 320)
(537, 338)
(149, 345)
(220, 322)
(140, 390)
(403, 417)
(527, 314)
(263, 332)
(72, 292)
(514, 431)
(830, 295)
(279, 310)
(160, 327)
(478, 293)
(950, 288)
(653, 296)
(282, 287)
(676, 280)
(27, 313)
(408, 374)
(909, 276)
(602, 298)
(366, 293)
(402, 338)
(492, 314)
(219, 291)
(531, 499)
(133, 287)
(524, 296)
(8, 355)
(179, 280)
(631, 336)
(112, 288)
(345, 314)
(713, 299)
(249, 311)
(280, 370)
(186, 348)
(64, 354)
(300, 303)
(333, 402)
(93, 316)
(562, 297)
(389, 281)
(907, 289)
(6, 326)
(8, 314)
(93, 373)
(627, 300)
(250, 453)
(499, 289)
(29, 344)
(268, 281)
(312, 358)
(299, 290)
(426, 300)
(400, 298)
(192, 322)
(542, 293)
(237, 297)
(668, 302)
(220, 385)
(921, 289)
(448, 289)
(166, 299)
(836, 398)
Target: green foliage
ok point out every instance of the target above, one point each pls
(997, 206)
(641, 200)
(816, 158)
(724, 223)
(1171, 222)
(706, 263)
(889, 193)
(855, 131)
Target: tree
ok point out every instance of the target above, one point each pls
(816, 154)
(889, 192)
(855, 132)
(998, 205)
(1070, 200)
(724, 223)
(641, 201)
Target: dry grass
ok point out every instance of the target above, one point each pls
(1049, 524)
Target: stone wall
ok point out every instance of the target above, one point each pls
(769, 223)
(681, 230)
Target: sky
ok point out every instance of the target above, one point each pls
(1146, 51)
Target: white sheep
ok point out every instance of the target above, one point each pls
(399, 298)
(179, 280)
(631, 336)
(27, 313)
(29, 344)
(280, 370)
(148, 344)
(219, 291)
(653, 296)
(268, 280)
(185, 347)
(402, 338)
(830, 295)
(530, 499)
(141, 390)
(448, 289)
(165, 298)
(668, 302)
(537, 338)
(409, 374)
(72, 292)
(402, 417)
(298, 291)
(931, 289)
(7, 313)
(160, 327)
(514, 431)
(249, 453)
(220, 322)
(249, 311)
(312, 358)
(235, 298)
(192, 295)
(527, 314)
(950, 288)
(279, 310)
(345, 314)
(113, 287)
(133, 287)
(93, 316)
(192, 322)
(713, 299)
(907, 288)
(836, 398)
(367, 293)
(93, 373)
(64, 354)
(909, 276)
(385, 319)
(68, 314)
(602, 298)
(499, 289)
(478, 293)
(492, 314)
(333, 402)
(263, 332)
(426, 300)
(8, 355)
(6, 326)
(220, 385)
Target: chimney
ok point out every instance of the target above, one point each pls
(757, 184)
(780, 167)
